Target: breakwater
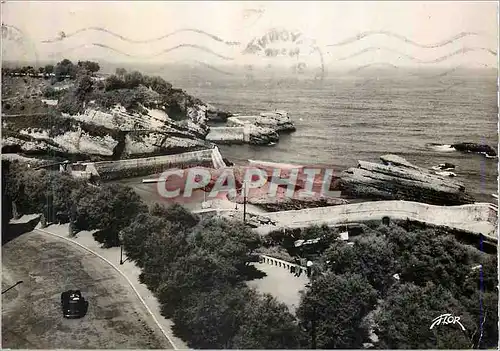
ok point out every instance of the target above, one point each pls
(112, 170)
(227, 135)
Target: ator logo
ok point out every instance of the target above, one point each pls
(446, 318)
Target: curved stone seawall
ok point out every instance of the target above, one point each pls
(110, 170)
(478, 218)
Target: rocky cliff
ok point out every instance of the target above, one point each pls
(102, 119)
(114, 118)
(398, 179)
(100, 135)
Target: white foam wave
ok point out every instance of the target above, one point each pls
(442, 148)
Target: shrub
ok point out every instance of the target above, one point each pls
(405, 317)
(211, 319)
(176, 214)
(70, 104)
(338, 305)
(110, 209)
(51, 93)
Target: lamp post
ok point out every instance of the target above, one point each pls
(243, 189)
(244, 203)
(120, 237)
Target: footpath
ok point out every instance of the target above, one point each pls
(128, 269)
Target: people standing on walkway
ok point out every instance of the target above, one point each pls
(309, 268)
(298, 270)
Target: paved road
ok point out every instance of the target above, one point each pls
(31, 314)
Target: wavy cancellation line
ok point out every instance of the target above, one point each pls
(165, 51)
(64, 36)
(444, 42)
(437, 60)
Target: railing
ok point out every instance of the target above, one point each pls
(291, 267)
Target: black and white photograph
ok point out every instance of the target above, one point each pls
(249, 175)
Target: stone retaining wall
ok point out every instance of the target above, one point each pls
(226, 135)
(109, 170)
(478, 217)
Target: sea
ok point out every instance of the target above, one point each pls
(343, 119)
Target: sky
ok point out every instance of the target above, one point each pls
(394, 32)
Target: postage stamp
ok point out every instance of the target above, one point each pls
(288, 48)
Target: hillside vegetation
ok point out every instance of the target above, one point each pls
(43, 103)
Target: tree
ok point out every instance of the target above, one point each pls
(158, 84)
(71, 104)
(84, 87)
(136, 236)
(114, 83)
(30, 71)
(59, 197)
(405, 317)
(325, 234)
(133, 80)
(49, 69)
(232, 240)
(161, 248)
(197, 272)
(176, 214)
(370, 256)
(120, 72)
(89, 66)
(64, 69)
(13, 174)
(267, 324)
(483, 309)
(6, 199)
(337, 304)
(211, 319)
(35, 185)
(108, 209)
(438, 259)
(480, 295)
(402, 241)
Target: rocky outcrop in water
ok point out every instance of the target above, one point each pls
(217, 115)
(476, 148)
(262, 136)
(278, 120)
(398, 179)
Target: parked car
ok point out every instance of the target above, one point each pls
(73, 304)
